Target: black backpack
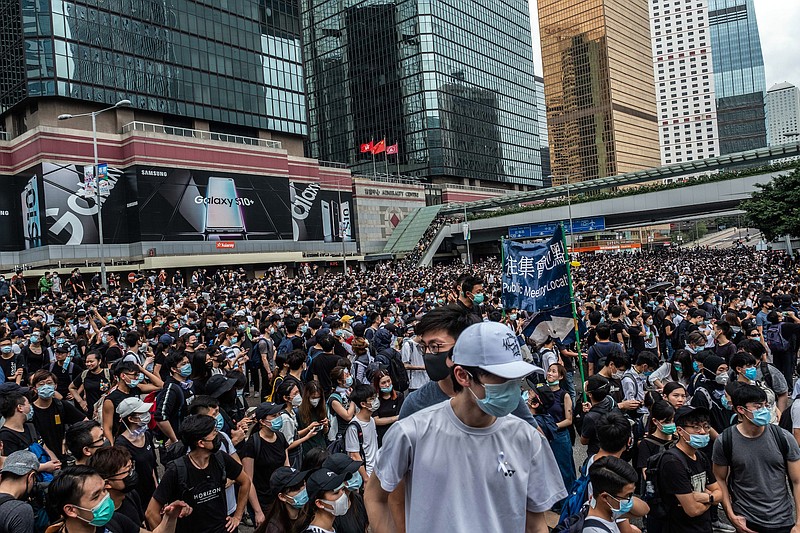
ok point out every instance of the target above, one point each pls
(338, 445)
(578, 522)
(652, 490)
(786, 419)
(183, 471)
(397, 370)
(777, 434)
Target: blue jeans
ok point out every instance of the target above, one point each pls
(571, 387)
(562, 451)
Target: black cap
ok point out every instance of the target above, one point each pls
(687, 410)
(341, 463)
(286, 477)
(323, 479)
(267, 408)
(217, 385)
(8, 387)
(62, 348)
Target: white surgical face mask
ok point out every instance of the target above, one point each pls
(339, 506)
(314, 402)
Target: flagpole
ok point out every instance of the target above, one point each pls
(574, 313)
(502, 271)
(386, 162)
(372, 150)
(397, 157)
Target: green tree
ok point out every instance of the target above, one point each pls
(775, 208)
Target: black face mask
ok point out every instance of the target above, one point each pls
(131, 480)
(217, 444)
(436, 365)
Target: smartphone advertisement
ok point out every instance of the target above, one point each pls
(187, 204)
(71, 200)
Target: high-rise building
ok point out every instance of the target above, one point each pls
(783, 113)
(544, 137)
(450, 82)
(203, 155)
(739, 80)
(683, 71)
(599, 89)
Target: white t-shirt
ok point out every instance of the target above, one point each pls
(796, 413)
(370, 434)
(478, 477)
(591, 528)
(411, 354)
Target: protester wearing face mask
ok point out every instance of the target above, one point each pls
(339, 400)
(753, 461)
(138, 440)
(613, 482)
(486, 375)
(18, 480)
(660, 431)
(201, 479)
(117, 468)
(172, 401)
(390, 401)
(313, 409)
(129, 383)
(746, 371)
(328, 498)
(289, 510)
(709, 390)
(689, 490)
(289, 393)
(265, 451)
(52, 416)
(34, 353)
(355, 519)
(90, 384)
(10, 364)
(17, 434)
(361, 436)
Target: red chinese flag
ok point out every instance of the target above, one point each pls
(366, 147)
(379, 147)
(392, 150)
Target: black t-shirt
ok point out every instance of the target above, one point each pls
(119, 523)
(146, 463)
(617, 329)
(321, 367)
(637, 341)
(94, 386)
(116, 396)
(599, 352)
(66, 376)
(9, 366)
(34, 361)
(355, 520)
(648, 447)
(52, 422)
(271, 455)
(390, 407)
(204, 492)
(685, 476)
(14, 441)
(132, 508)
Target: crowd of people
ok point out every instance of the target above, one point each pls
(400, 398)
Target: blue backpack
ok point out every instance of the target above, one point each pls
(578, 496)
(285, 346)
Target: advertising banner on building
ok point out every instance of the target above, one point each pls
(70, 200)
(188, 205)
(31, 215)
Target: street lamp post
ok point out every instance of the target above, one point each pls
(95, 177)
(466, 234)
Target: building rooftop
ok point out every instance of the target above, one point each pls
(780, 86)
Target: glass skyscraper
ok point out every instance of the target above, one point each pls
(232, 62)
(450, 82)
(739, 78)
(599, 89)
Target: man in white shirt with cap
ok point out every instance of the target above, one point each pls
(467, 466)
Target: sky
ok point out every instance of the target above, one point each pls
(778, 24)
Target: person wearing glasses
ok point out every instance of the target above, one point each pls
(613, 482)
(752, 461)
(116, 467)
(83, 439)
(691, 489)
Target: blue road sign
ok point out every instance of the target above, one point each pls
(580, 225)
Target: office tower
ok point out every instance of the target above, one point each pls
(544, 139)
(203, 155)
(599, 89)
(739, 80)
(450, 82)
(783, 111)
(684, 77)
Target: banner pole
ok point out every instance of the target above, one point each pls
(574, 313)
(502, 271)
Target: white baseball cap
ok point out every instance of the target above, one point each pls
(132, 405)
(493, 347)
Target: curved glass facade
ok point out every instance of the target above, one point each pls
(231, 61)
(450, 81)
